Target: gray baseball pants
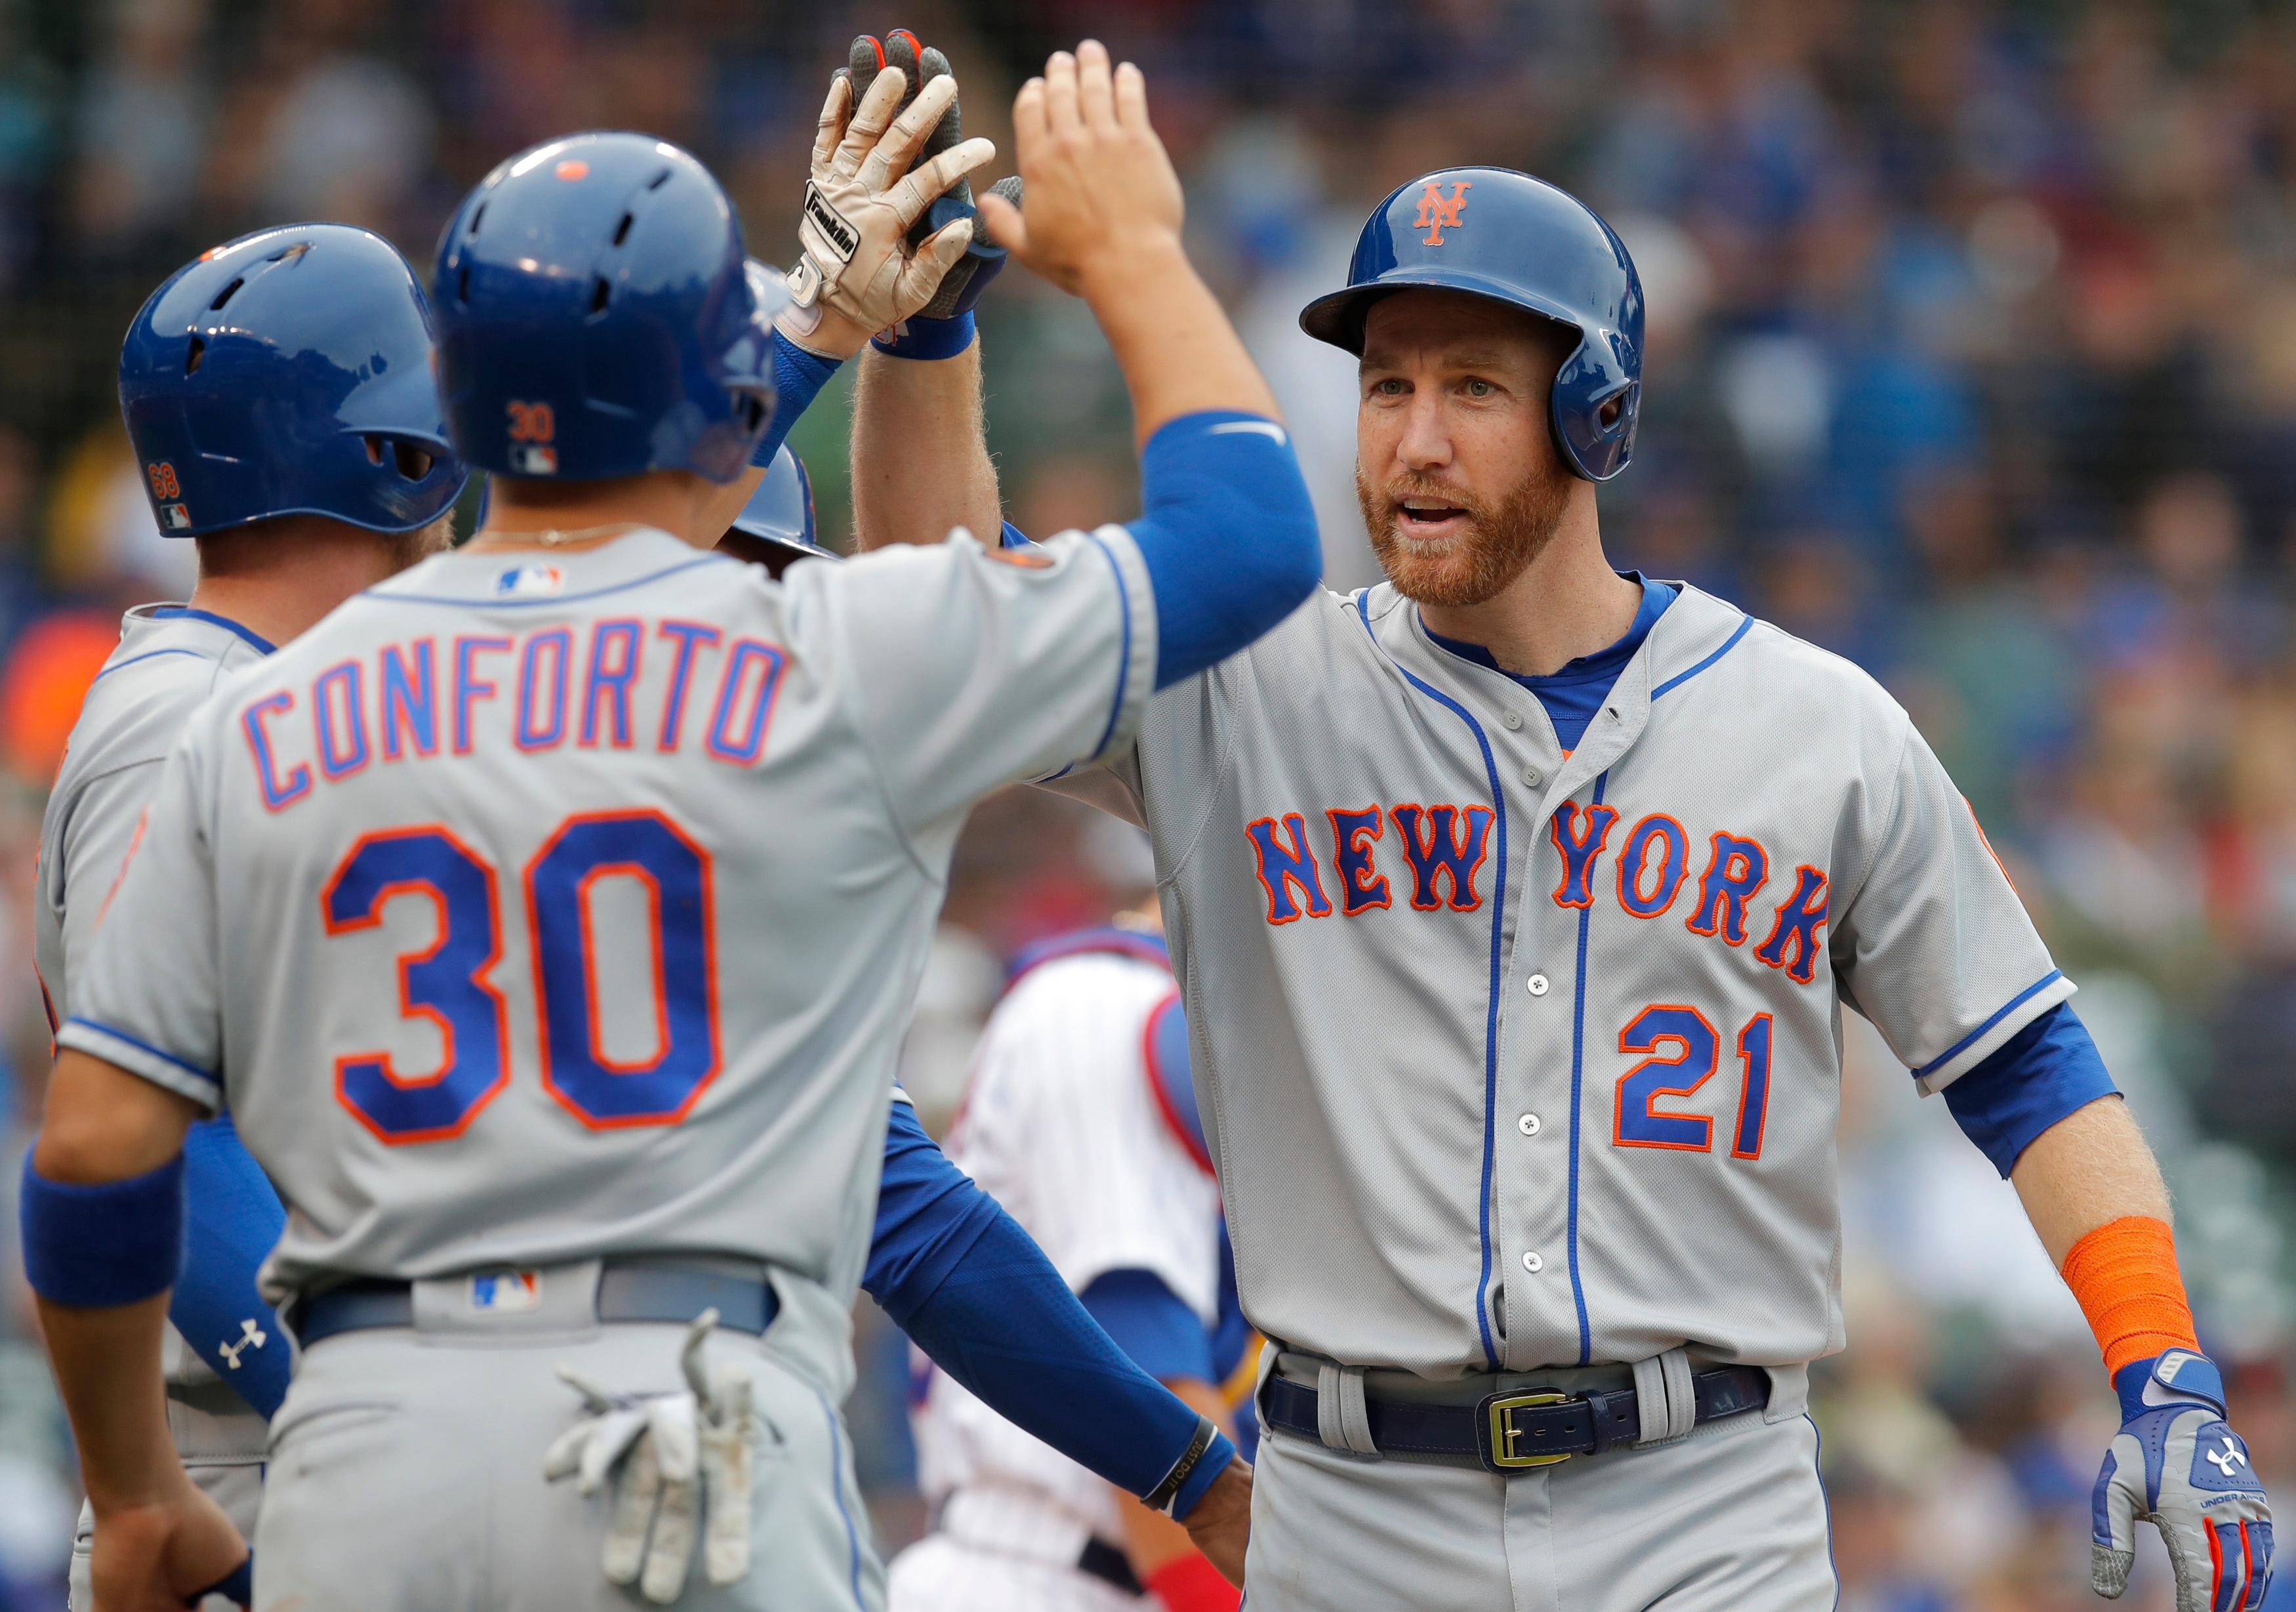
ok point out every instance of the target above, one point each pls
(406, 1477)
(1729, 1518)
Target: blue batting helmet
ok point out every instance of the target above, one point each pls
(288, 373)
(597, 316)
(1494, 233)
(778, 518)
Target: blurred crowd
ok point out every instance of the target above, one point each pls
(1971, 356)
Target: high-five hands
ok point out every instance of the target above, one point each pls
(859, 273)
(1101, 191)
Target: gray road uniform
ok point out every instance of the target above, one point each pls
(1518, 1060)
(167, 664)
(551, 923)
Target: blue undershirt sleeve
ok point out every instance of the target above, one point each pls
(928, 1212)
(233, 1219)
(1228, 536)
(2045, 1072)
(970, 1287)
(1148, 1322)
(798, 377)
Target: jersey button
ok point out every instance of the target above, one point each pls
(1536, 985)
(1533, 1263)
(1510, 720)
(1533, 776)
(1527, 1124)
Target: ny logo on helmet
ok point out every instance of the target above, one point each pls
(1436, 214)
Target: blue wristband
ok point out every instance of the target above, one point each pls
(109, 1244)
(1209, 1466)
(798, 377)
(928, 339)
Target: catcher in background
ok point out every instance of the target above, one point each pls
(1081, 1120)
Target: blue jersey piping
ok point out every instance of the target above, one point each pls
(1124, 662)
(1745, 625)
(2003, 1012)
(184, 613)
(121, 1035)
(837, 1493)
(1491, 1023)
(385, 594)
(149, 654)
(1577, 1071)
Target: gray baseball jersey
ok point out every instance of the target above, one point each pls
(536, 909)
(1516, 1056)
(170, 659)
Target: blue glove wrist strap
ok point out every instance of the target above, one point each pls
(928, 339)
(2175, 1376)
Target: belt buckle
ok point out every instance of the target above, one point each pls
(1496, 1429)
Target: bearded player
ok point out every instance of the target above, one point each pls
(1514, 903)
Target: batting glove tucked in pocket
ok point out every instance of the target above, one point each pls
(2177, 1462)
(685, 1460)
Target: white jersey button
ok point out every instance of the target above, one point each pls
(1510, 718)
(1538, 985)
(1533, 1263)
(1533, 776)
(1527, 1124)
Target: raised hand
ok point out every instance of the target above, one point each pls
(1101, 190)
(859, 273)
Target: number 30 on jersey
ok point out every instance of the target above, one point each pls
(447, 984)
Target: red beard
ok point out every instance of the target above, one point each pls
(1498, 541)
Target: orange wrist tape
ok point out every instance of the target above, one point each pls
(2124, 1273)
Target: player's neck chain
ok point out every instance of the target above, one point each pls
(552, 536)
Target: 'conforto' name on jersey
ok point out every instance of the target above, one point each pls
(414, 695)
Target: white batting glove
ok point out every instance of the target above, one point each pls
(862, 198)
(684, 1458)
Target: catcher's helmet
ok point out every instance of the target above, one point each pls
(1494, 233)
(597, 316)
(288, 373)
(776, 526)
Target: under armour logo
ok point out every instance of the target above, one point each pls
(2228, 1459)
(1436, 214)
(253, 1336)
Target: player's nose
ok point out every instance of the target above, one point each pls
(1425, 442)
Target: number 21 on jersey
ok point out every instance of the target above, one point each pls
(448, 984)
(1680, 1051)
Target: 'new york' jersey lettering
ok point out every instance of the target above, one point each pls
(1520, 1059)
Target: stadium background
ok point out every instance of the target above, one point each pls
(1973, 356)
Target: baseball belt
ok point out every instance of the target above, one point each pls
(629, 1290)
(1515, 1430)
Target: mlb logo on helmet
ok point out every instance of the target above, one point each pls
(529, 581)
(175, 517)
(533, 459)
(1436, 214)
(506, 1292)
